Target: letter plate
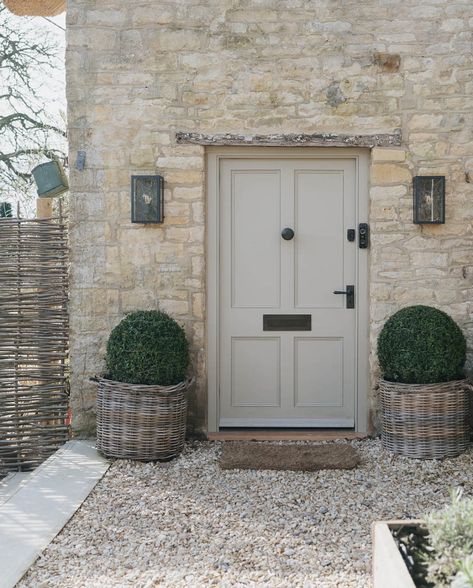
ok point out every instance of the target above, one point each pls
(287, 322)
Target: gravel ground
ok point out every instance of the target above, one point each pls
(187, 523)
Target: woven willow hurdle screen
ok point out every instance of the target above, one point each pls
(33, 341)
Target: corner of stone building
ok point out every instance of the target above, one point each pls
(196, 417)
(374, 423)
(83, 424)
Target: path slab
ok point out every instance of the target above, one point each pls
(34, 514)
(11, 484)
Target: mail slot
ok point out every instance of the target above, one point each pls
(287, 322)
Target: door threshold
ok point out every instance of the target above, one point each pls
(285, 435)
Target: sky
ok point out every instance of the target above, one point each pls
(55, 90)
(50, 90)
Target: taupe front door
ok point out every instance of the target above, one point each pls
(287, 341)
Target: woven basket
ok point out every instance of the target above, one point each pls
(141, 422)
(36, 7)
(425, 421)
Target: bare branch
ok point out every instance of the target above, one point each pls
(28, 133)
(50, 153)
(24, 119)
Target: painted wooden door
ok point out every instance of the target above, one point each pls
(287, 342)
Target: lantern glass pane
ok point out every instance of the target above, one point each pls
(146, 199)
(430, 199)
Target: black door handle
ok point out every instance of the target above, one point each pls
(350, 294)
(287, 234)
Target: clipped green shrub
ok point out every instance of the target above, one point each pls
(147, 347)
(421, 345)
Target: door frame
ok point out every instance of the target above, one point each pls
(213, 157)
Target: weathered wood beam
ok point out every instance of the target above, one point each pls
(44, 208)
(292, 140)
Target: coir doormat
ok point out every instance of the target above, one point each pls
(308, 458)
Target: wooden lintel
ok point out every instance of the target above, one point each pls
(292, 140)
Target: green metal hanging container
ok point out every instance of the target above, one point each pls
(5, 210)
(50, 179)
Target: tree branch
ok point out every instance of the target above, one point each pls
(23, 118)
(28, 135)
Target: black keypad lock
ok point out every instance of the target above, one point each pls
(363, 236)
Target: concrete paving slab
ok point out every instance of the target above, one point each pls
(11, 484)
(34, 514)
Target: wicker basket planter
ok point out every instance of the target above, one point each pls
(139, 421)
(425, 421)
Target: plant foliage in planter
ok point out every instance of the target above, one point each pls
(147, 347)
(421, 345)
(451, 539)
(438, 553)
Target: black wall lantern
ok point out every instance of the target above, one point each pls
(147, 199)
(429, 200)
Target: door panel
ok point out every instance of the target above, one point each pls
(287, 378)
(318, 250)
(256, 369)
(318, 372)
(256, 205)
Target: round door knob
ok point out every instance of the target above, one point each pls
(287, 234)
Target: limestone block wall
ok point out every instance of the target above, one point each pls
(138, 72)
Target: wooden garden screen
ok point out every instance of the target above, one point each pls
(33, 341)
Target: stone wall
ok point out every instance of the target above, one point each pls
(138, 72)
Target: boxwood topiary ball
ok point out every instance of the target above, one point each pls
(421, 345)
(147, 347)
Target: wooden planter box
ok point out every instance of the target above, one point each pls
(389, 569)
